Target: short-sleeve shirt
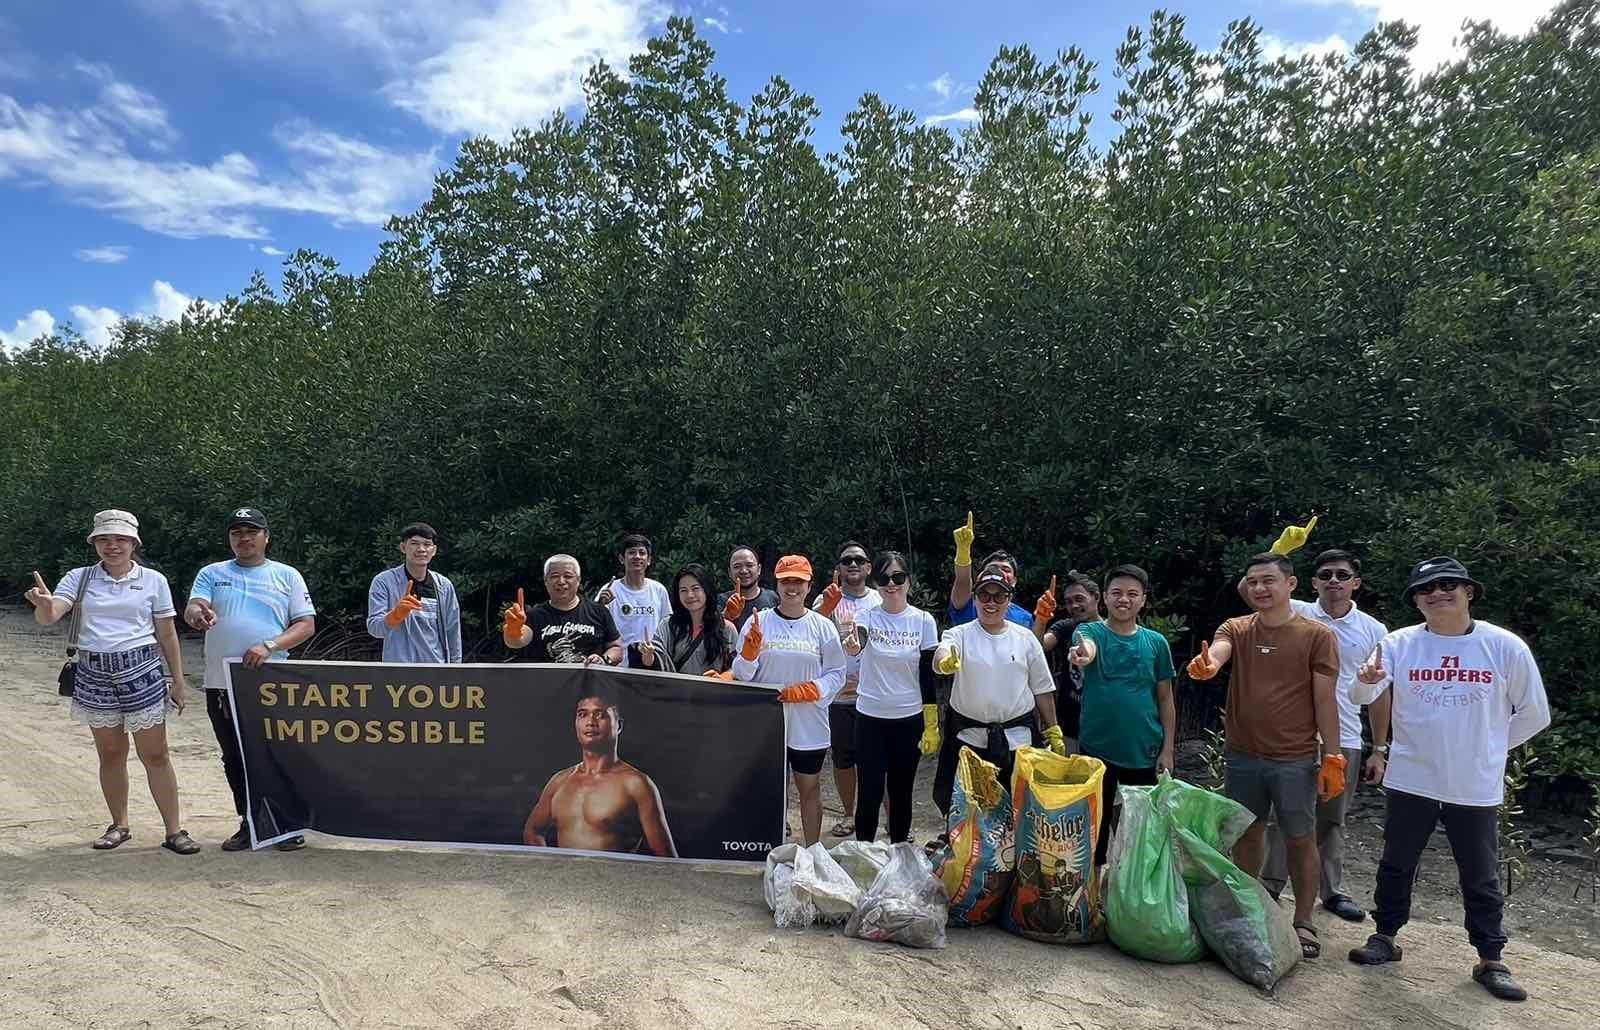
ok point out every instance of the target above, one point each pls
(999, 677)
(850, 608)
(1121, 721)
(763, 600)
(1068, 677)
(253, 604)
(1358, 633)
(890, 685)
(118, 613)
(567, 636)
(637, 613)
(1271, 710)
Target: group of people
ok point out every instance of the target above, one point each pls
(857, 668)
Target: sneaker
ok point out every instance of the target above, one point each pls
(292, 844)
(240, 841)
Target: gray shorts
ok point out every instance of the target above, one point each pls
(1265, 785)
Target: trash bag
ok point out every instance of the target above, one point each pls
(1236, 916)
(1147, 902)
(1055, 805)
(977, 862)
(861, 860)
(805, 886)
(906, 904)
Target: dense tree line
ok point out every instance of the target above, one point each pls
(1284, 287)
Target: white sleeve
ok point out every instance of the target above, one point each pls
(161, 598)
(1530, 709)
(930, 633)
(744, 670)
(831, 681)
(299, 596)
(1039, 679)
(67, 589)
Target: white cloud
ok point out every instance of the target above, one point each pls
(1438, 22)
(944, 85)
(521, 62)
(966, 114)
(95, 324)
(716, 23)
(29, 327)
(1274, 47)
(102, 255)
(271, 251)
(129, 107)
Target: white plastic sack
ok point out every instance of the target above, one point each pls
(806, 885)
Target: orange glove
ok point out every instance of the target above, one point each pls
(408, 605)
(1201, 667)
(831, 597)
(1330, 781)
(733, 607)
(752, 640)
(798, 692)
(516, 620)
(1045, 610)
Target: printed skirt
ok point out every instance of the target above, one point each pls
(120, 688)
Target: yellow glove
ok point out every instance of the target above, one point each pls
(1057, 742)
(930, 729)
(1293, 538)
(963, 535)
(949, 663)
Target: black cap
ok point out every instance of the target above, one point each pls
(1442, 567)
(992, 576)
(247, 517)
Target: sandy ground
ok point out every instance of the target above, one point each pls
(356, 936)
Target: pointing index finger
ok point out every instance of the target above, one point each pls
(519, 597)
(969, 522)
(1052, 590)
(38, 581)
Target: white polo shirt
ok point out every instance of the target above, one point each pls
(118, 613)
(1358, 633)
(1000, 675)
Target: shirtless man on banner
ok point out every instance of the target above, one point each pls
(602, 803)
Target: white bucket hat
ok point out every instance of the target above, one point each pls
(113, 522)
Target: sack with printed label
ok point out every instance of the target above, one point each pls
(976, 863)
(1055, 804)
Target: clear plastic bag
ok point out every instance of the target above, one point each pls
(906, 904)
(806, 885)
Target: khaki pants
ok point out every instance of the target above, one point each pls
(1330, 837)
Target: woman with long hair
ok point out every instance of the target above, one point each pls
(694, 638)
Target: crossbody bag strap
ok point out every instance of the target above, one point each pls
(77, 612)
(438, 608)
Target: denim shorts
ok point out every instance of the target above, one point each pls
(1263, 785)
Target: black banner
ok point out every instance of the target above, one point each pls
(597, 760)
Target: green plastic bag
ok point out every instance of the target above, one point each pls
(1252, 935)
(1147, 902)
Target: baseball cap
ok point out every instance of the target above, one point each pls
(792, 566)
(1442, 567)
(992, 576)
(115, 522)
(247, 517)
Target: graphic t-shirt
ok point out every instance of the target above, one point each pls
(851, 607)
(253, 604)
(890, 686)
(763, 600)
(1271, 712)
(1121, 721)
(637, 613)
(1358, 633)
(969, 613)
(567, 636)
(1460, 703)
(999, 676)
(118, 614)
(793, 651)
(1068, 677)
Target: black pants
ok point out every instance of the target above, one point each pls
(886, 750)
(1116, 774)
(944, 776)
(1407, 825)
(228, 741)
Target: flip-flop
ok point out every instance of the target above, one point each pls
(1309, 948)
(843, 828)
(1497, 980)
(113, 837)
(181, 843)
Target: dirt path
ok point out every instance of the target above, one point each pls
(342, 935)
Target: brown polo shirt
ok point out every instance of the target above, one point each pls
(1271, 710)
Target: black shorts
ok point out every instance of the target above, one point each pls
(842, 727)
(807, 762)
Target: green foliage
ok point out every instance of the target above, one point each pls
(1514, 845)
(1282, 287)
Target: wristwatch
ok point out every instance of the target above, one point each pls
(1381, 749)
(270, 645)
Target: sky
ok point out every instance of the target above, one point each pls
(156, 152)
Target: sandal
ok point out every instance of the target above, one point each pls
(114, 836)
(937, 844)
(1376, 952)
(181, 843)
(1496, 979)
(844, 828)
(1310, 947)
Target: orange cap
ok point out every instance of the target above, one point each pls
(792, 566)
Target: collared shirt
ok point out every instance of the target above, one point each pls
(1358, 633)
(119, 613)
(254, 603)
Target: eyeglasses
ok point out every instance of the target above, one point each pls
(1446, 585)
(854, 559)
(993, 597)
(897, 578)
(1342, 575)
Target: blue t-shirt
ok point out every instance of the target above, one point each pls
(969, 611)
(253, 603)
(1121, 722)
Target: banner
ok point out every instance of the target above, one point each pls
(598, 760)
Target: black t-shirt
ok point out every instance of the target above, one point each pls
(423, 587)
(567, 636)
(761, 602)
(1068, 677)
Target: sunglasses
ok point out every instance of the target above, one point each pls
(1342, 575)
(993, 597)
(854, 559)
(1446, 585)
(897, 578)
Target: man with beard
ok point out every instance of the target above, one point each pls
(602, 803)
(1082, 598)
(748, 596)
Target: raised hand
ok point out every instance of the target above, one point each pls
(1293, 538)
(798, 693)
(831, 596)
(408, 606)
(606, 596)
(1045, 610)
(963, 535)
(1079, 656)
(1201, 667)
(516, 620)
(752, 640)
(1372, 670)
(205, 616)
(38, 595)
(947, 659)
(733, 607)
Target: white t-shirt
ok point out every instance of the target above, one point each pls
(1460, 703)
(637, 613)
(851, 607)
(793, 651)
(1358, 633)
(118, 614)
(890, 686)
(1000, 674)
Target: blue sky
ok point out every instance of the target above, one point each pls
(157, 151)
